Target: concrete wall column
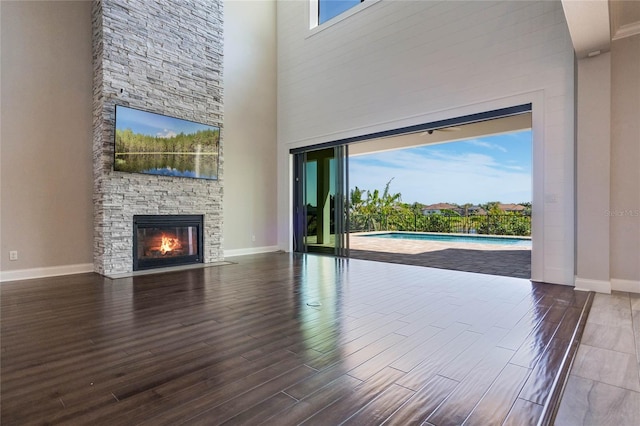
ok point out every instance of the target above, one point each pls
(593, 173)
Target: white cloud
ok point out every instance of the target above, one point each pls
(485, 144)
(441, 177)
(166, 133)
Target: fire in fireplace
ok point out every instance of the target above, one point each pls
(160, 241)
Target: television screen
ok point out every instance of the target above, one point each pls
(160, 145)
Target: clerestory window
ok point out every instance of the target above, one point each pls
(328, 9)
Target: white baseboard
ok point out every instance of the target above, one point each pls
(52, 271)
(556, 276)
(250, 250)
(625, 285)
(600, 286)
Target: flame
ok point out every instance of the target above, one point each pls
(169, 243)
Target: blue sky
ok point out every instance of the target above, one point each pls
(491, 168)
(152, 124)
(331, 8)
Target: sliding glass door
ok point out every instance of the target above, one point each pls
(320, 201)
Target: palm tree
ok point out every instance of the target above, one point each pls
(358, 219)
(371, 206)
(356, 200)
(389, 201)
(375, 205)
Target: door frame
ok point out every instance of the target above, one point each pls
(341, 201)
(424, 127)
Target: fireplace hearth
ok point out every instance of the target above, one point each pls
(166, 240)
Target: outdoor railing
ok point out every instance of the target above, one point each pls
(491, 224)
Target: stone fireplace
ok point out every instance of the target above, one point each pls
(163, 57)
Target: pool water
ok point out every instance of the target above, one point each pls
(479, 239)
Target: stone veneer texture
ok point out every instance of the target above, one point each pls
(164, 57)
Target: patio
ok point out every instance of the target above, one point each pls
(492, 259)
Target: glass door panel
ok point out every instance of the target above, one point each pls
(319, 201)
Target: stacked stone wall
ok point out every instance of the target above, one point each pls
(164, 57)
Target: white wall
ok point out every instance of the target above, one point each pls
(249, 127)
(625, 164)
(46, 177)
(398, 63)
(608, 169)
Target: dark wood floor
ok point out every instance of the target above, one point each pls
(240, 344)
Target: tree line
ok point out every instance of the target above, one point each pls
(384, 211)
(204, 141)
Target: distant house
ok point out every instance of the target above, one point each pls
(475, 211)
(439, 208)
(515, 208)
(443, 208)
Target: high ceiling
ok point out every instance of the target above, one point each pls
(593, 24)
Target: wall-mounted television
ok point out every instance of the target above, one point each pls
(157, 144)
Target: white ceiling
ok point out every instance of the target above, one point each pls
(594, 23)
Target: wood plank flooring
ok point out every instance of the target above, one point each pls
(243, 344)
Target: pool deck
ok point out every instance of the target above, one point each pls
(492, 259)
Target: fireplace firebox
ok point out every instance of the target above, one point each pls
(160, 241)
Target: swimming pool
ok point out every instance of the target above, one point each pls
(478, 239)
